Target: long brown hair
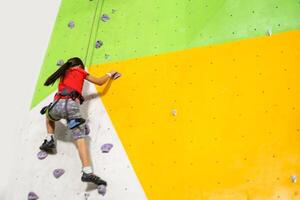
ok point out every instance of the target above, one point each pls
(72, 62)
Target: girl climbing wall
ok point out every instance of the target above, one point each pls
(66, 105)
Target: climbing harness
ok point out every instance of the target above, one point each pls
(64, 93)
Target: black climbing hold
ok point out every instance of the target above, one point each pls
(71, 24)
(32, 196)
(99, 43)
(105, 18)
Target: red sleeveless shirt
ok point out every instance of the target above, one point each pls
(73, 80)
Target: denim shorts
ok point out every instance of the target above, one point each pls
(69, 109)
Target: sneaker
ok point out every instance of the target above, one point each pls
(92, 178)
(49, 147)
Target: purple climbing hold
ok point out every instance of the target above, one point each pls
(101, 189)
(99, 43)
(32, 196)
(71, 24)
(116, 75)
(60, 62)
(87, 129)
(105, 148)
(42, 155)
(105, 18)
(58, 173)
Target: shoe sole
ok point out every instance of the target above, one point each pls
(86, 181)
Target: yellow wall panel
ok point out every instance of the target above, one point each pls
(236, 132)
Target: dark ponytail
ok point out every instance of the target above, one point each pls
(72, 62)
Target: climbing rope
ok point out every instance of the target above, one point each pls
(87, 63)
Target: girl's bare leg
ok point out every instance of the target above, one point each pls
(83, 152)
(50, 126)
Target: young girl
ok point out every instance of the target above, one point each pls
(66, 106)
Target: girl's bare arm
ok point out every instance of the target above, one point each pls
(99, 80)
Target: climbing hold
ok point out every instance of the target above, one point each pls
(116, 75)
(101, 189)
(105, 18)
(99, 43)
(60, 62)
(42, 155)
(87, 129)
(105, 148)
(106, 56)
(174, 112)
(269, 33)
(32, 196)
(86, 196)
(58, 173)
(294, 178)
(71, 24)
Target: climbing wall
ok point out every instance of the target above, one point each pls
(207, 106)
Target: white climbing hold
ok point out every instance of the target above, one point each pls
(101, 189)
(60, 62)
(294, 178)
(71, 24)
(99, 43)
(269, 32)
(174, 112)
(32, 196)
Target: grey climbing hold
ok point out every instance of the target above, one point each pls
(105, 148)
(60, 62)
(86, 196)
(106, 56)
(101, 189)
(99, 43)
(269, 33)
(32, 196)
(71, 24)
(116, 75)
(105, 18)
(58, 173)
(87, 129)
(42, 155)
(294, 178)
(174, 112)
